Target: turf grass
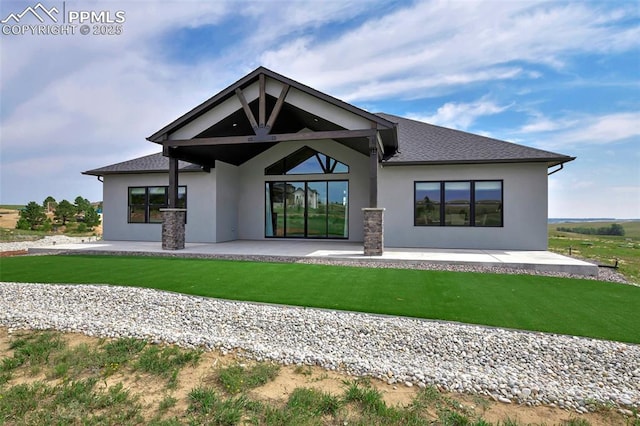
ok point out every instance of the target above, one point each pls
(559, 305)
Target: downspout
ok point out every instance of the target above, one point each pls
(100, 179)
(557, 170)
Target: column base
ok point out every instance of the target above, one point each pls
(173, 228)
(373, 231)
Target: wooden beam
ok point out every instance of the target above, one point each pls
(373, 172)
(284, 137)
(247, 110)
(173, 181)
(277, 107)
(262, 105)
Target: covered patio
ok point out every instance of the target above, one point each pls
(542, 261)
(256, 113)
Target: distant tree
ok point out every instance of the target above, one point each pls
(617, 229)
(82, 204)
(49, 204)
(614, 229)
(32, 215)
(91, 217)
(65, 211)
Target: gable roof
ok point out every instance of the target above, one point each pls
(154, 163)
(252, 77)
(423, 143)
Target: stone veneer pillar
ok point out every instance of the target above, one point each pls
(173, 228)
(373, 231)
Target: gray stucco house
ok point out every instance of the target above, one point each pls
(270, 158)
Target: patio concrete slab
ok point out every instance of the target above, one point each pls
(529, 260)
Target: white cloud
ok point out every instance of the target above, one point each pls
(461, 115)
(585, 129)
(431, 47)
(605, 129)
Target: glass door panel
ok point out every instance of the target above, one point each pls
(274, 209)
(338, 209)
(311, 209)
(295, 209)
(317, 209)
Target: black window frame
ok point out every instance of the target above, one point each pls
(284, 166)
(472, 204)
(147, 205)
(305, 236)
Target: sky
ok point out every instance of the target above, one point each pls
(560, 76)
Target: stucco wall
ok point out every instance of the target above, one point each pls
(251, 201)
(525, 207)
(227, 191)
(201, 196)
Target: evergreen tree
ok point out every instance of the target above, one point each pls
(65, 211)
(91, 217)
(33, 215)
(49, 204)
(81, 204)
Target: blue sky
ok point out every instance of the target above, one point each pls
(561, 76)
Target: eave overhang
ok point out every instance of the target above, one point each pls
(551, 162)
(137, 172)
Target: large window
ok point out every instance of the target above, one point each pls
(145, 202)
(458, 203)
(307, 209)
(306, 161)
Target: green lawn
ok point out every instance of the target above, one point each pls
(560, 305)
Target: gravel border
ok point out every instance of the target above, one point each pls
(531, 368)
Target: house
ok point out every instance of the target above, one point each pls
(270, 158)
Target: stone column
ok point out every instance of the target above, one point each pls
(373, 231)
(173, 228)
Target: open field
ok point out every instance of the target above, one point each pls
(604, 249)
(8, 218)
(9, 215)
(56, 378)
(559, 305)
(11, 206)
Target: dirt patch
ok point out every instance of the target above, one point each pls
(9, 218)
(13, 253)
(153, 390)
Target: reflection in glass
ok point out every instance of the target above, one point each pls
(338, 214)
(295, 207)
(488, 203)
(306, 161)
(457, 203)
(307, 209)
(317, 209)
(427, 203)
(137, 196)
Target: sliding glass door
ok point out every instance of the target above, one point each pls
(307, 209)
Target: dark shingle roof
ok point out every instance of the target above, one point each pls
(422, 143)
(418, 143)
(154, 163)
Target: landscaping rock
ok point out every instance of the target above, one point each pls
(536, 367)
